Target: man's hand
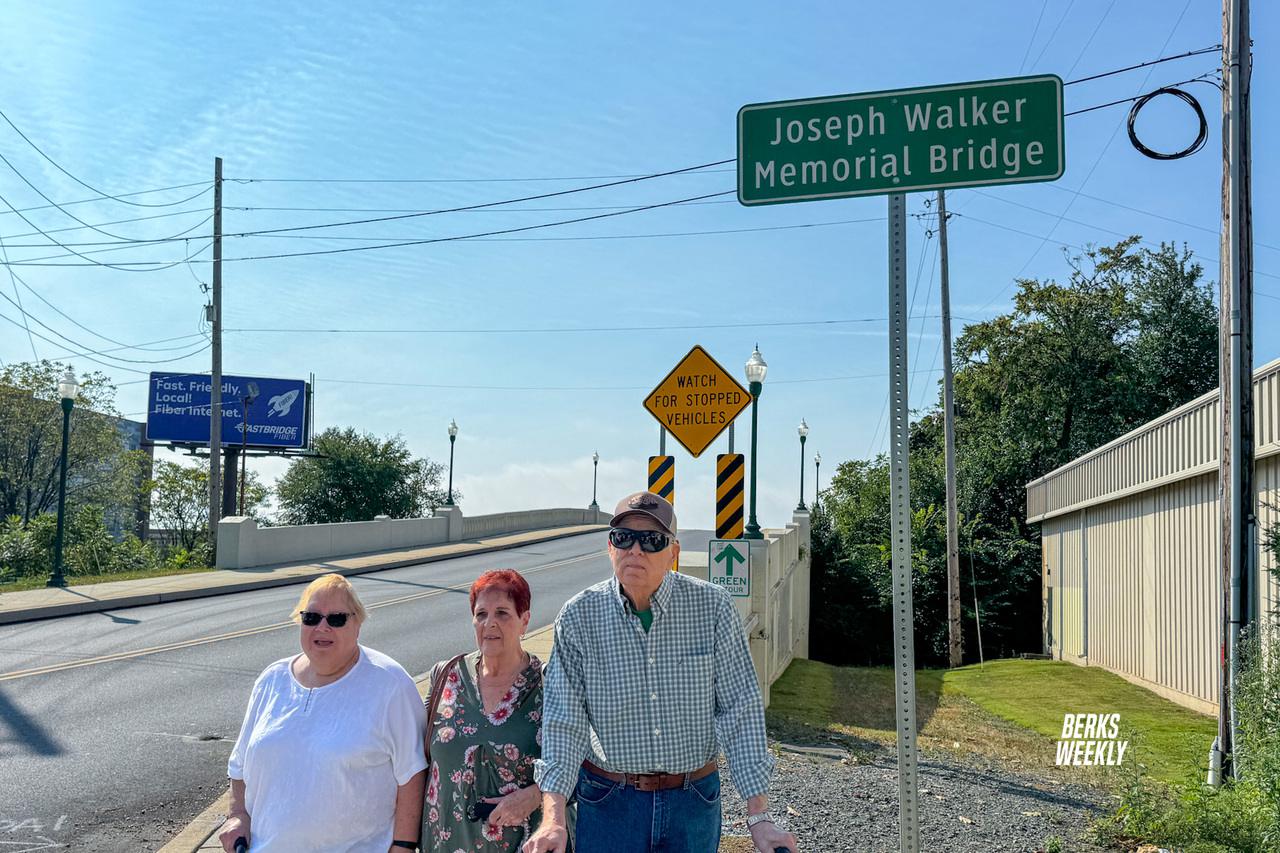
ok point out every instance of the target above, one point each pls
(236, 826)
(550, 838)
(768, 838)
(515, 808)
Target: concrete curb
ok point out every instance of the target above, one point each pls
(201, 829)
(198, 835)
(286, 577)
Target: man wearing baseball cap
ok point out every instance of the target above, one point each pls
(647, 669)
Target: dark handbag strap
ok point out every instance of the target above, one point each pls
(437, 689)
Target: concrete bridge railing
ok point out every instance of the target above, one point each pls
(777, 612)
(243, 544)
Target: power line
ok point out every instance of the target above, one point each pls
(1092, 169)
(121, 243)
(112, 222)
(420, 210)
(1053, 34)
(13, 280)
(27, 315)
(129, 266)
(1089, 40)
(477, 235)
(594, 388)
(1034, 32)
(206, 184)
(88, 354)
(572, 330)
(56, 165)
(80, 325)
(641, 175)
(123, 268)
(1213, 49)
(367, 239)
(502, 203)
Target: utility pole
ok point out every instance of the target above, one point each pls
(1235, 366)
(955, 643)
(215, 376)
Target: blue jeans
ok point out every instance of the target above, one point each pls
(616, 818)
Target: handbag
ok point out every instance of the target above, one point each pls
(437, 689)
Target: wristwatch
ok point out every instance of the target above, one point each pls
(763, 817)
(410, 845)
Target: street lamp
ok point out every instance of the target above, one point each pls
(756, 369)
(68, 388)
(453, 436)
(803, 430)
(595, 470)
(246, 401)
(817, 473)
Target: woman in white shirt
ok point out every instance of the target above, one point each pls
(330, 755)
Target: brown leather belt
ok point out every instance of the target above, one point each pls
(654, 781)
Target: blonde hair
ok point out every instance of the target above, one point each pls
(332, 583)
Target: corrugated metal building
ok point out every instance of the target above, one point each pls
(1130, 554)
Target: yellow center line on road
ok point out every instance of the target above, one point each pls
(248, 632)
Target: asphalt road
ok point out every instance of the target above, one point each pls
(121, 734)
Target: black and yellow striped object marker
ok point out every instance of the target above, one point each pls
(662, 477)
(730, 470)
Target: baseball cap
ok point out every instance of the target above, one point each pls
(646, 503)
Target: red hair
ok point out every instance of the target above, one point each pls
(508, 581)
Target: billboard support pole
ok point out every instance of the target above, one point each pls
(215, 374)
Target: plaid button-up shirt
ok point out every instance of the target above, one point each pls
(636, 702)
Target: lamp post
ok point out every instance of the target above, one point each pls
(68, 388)
(756, 369)
(595, 470)
(453, 436)
(817, 473)
(803, 430)
(245, 402)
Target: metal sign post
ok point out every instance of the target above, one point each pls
(889, 143)
(904, 673)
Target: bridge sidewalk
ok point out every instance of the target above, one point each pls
(199, 836)
(92, 598)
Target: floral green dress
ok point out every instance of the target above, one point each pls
(476, 755)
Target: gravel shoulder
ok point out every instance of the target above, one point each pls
(851, 804)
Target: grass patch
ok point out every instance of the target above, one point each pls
(1009, 712)
(1169, 740)
(38, 582)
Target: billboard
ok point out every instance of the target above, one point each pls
(178, 410)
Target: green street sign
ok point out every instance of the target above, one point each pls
(722, 554)
(936, 137)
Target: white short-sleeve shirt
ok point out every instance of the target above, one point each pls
(321, 765)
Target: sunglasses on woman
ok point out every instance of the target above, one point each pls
(651, 541)
(311, 619)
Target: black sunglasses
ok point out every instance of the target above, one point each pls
(311, 619)
(651, 541)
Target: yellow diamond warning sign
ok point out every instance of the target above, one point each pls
(697, 400)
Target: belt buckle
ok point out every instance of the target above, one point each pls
(647, 782)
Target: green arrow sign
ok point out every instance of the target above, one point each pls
(727, 556)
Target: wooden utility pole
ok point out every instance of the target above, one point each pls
(1235, 336)
(955, 642)
(215, 377)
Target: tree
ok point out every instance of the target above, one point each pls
(356, 476)
(1131, 334)
(180, 500)
(99, 470)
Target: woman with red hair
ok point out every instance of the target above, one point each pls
(484, 718)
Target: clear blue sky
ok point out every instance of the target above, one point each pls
(130, 97)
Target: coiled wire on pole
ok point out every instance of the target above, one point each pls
(1186, 98)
